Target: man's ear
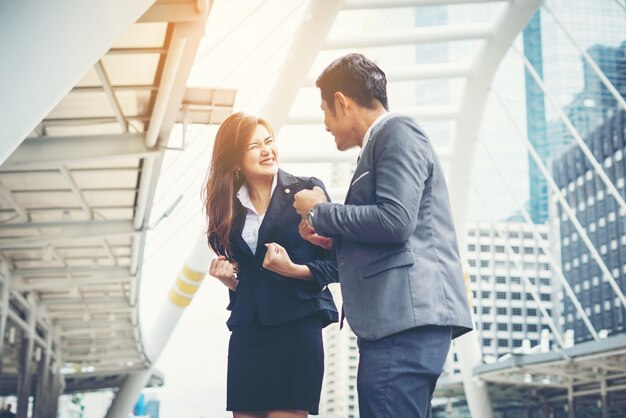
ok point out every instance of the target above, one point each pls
(341, 102)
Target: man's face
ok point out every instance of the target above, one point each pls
(338, 124)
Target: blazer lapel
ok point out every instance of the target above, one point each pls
(282, 196)
(368, 146)
(236, 237)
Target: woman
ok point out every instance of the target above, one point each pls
(277, 281)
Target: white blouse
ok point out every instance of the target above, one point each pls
(250, 233)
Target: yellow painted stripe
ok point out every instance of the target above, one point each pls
(186, 287)
(178, 299)
(468, 289)
(196, 276)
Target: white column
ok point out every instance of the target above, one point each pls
(179, 297)
(318, 20)
(509, 23)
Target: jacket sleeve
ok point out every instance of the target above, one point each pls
(231, 300)
(323, 268)
(403, 162)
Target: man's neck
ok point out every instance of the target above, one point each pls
(368, 117)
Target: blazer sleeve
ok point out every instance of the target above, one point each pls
(231, 300)
(323, 268)
(403, 162)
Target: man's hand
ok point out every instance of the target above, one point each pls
(277, 260)
(224, 271)
(304, 200)
(308, 233)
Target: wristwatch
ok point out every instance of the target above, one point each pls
(309, 216)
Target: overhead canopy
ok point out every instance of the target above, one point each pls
(75, 197)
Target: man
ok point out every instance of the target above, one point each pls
(394, 239)
(7, 412)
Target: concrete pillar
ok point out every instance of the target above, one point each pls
(4, 311)
(571, 412)
(42, 392)
(57, 385)
(545, 407)
(24, 381)
(604, 398)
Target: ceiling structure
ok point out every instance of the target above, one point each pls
(76, 194)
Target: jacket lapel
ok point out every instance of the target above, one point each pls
(236, 237)
(367, 149)
(281, 198)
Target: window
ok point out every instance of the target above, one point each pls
(472, 263)
(486, 310)
(516, 311)
(485, 248)
(486, 326)
(503, 342)
(516, 296)
(545, 297)
(484, 263)
(471, 247)
(500, 295)
(500, 279)
(473, 278)
(486, 342)
(485, 294)
(503, 327)
(531, 328)
(529, 250)
(531, 312)
(517, 327)
(499, 248)
(517, 343)
(501, 311)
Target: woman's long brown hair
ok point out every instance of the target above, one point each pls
(222, 184)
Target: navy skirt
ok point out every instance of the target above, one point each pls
(276, 367)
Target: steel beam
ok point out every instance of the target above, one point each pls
(395, 4)
(412, 36)
(53, 152)
(74, 231)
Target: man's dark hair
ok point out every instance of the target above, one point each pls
(356, 77)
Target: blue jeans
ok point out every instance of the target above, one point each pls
(398, 374)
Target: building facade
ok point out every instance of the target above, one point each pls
(604, 223)
(598, 27)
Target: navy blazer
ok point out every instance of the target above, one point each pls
(277, 299)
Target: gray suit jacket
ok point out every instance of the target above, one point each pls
(395, 242)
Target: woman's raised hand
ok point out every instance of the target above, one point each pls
(277, 260)
(224, 271)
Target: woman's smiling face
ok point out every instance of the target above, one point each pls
(260, 157)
